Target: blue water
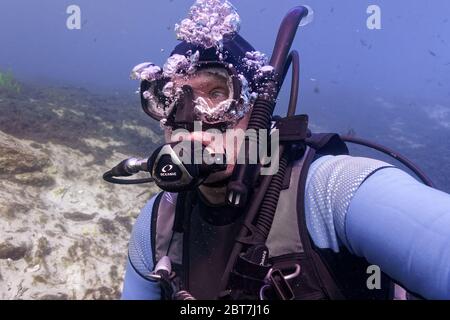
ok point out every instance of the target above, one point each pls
(391, 85)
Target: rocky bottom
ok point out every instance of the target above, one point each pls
(63, 230)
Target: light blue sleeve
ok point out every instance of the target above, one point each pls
(331, 184)
(383, 214)
(403, 227)
(140, 260)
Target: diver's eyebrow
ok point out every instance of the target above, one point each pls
(211, 84)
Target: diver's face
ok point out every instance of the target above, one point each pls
(214, 89)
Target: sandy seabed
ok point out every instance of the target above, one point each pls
(63, 230)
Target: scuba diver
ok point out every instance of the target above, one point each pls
(324, 225)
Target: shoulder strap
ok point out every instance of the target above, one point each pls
(327, 282)
(327, 144)
(166, 236)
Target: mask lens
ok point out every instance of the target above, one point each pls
(214, 93)
(219, 95)
(157, 98)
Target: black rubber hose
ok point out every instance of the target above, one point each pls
(260, 119)
(285, 37)
(265, 103)
(110, 177)
(263, 109)
(262, 113)
(418, 172)
(270, 202)
(270, 187)
(295, 85)
(252, 212)
(269, 205)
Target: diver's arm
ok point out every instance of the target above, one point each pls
(140, 260)
(406, 231)
(388, 217)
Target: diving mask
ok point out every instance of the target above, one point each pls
(212, 93)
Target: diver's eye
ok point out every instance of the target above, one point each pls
(218, 94)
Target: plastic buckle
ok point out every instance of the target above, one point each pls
(278, 282)
(293, 128)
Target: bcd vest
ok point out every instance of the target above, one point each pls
(199, 244)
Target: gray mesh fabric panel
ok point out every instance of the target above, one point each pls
(331, 184)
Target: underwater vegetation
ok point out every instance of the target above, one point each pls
(8, 82)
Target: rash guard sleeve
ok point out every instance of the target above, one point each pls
(140, 260)
(384, 215)
(403, 226)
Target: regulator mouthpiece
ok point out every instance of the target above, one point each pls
(182, 166)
